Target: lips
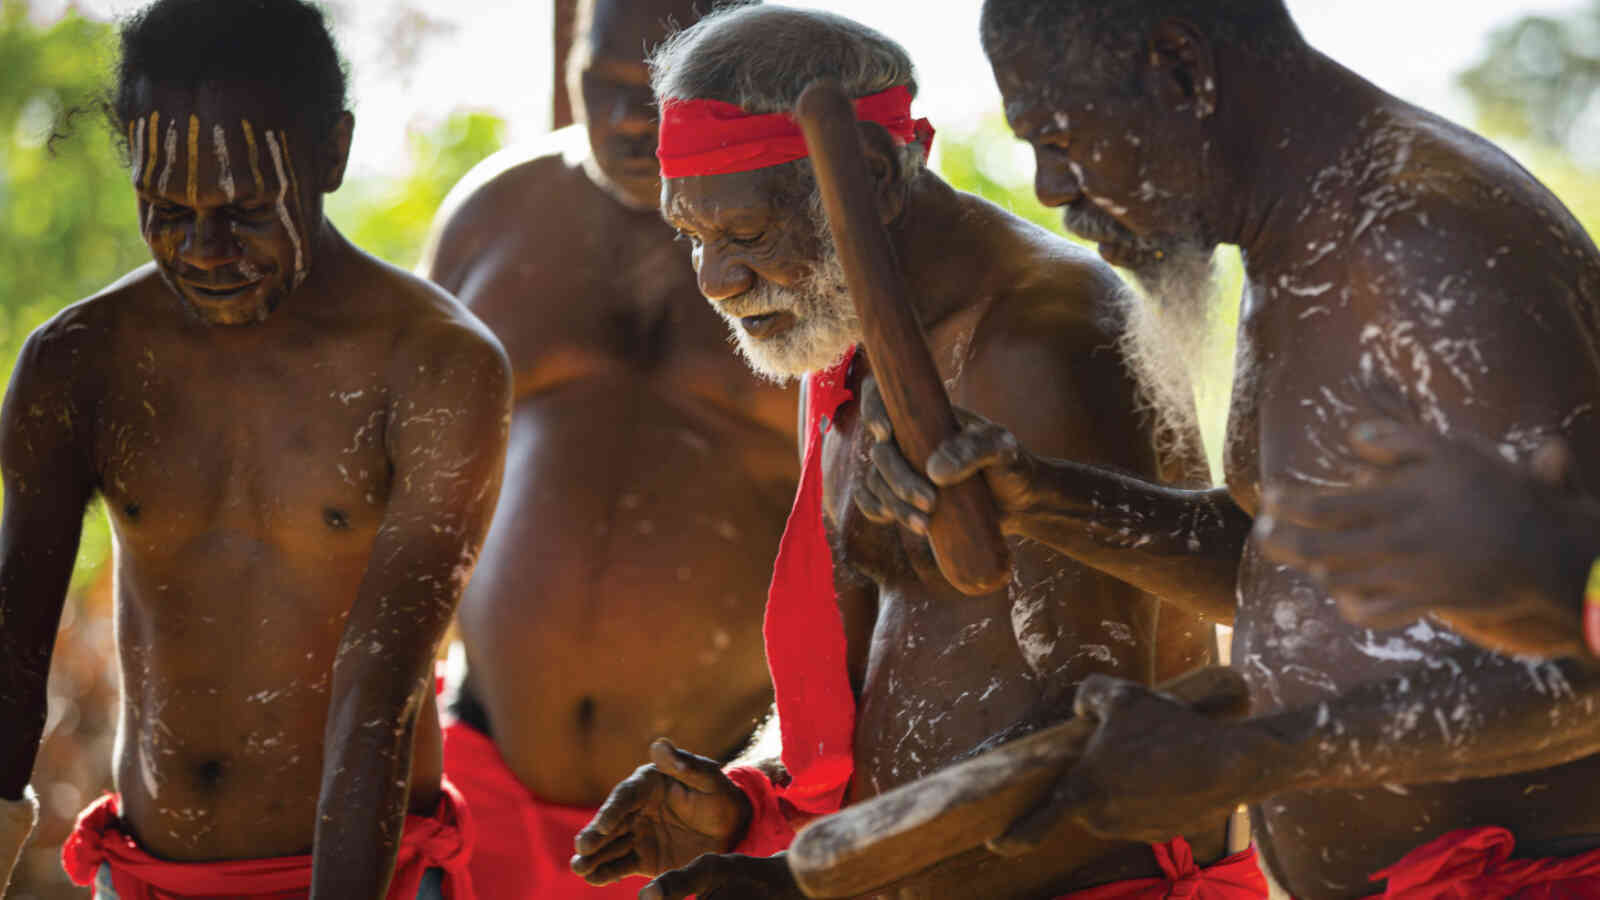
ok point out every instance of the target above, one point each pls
(767, 325)
(219, 291)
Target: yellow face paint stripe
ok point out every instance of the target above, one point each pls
(193, 192)
(150, 160)
(255, 164)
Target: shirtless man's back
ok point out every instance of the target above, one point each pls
(299, 448)
(621, 589)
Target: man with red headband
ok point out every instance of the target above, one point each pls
(621, 586)
(883, 671)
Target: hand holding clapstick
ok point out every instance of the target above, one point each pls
(899, 833)
(964, 530)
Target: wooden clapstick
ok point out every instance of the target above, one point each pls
(901, 832)
(964, 530)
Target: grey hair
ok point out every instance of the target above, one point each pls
(760, 58)
(1118, 30)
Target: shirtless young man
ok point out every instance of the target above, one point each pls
(1397, 266)
(621, 587)
(903, 674)
(299, 448)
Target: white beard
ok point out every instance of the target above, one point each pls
(1167, 338)
(825, 317)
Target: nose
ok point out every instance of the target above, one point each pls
(632, 115)
(720, 278)
(209, 242)
(1053, 181)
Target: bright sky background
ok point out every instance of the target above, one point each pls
(494, 54)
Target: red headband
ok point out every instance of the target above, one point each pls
(709, 137)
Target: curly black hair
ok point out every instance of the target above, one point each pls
(284, 43)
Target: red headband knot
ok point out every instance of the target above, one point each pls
(709, 137)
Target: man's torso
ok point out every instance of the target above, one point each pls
(648, 478)
(245, 475)
(1316, 356)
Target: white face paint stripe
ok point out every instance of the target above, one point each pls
(136, 148)
(283, 192)
(172, 156)
(219, 145)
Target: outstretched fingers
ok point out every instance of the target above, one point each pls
(616, 813)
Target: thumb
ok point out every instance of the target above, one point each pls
(697, 772)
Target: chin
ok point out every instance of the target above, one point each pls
(788, 356)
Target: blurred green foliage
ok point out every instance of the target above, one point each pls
(1538, 78)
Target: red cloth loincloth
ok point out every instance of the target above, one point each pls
(1476, 864)
(524, 847)
(442, 841)
(1237, 877)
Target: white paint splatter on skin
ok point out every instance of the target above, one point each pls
(219, 145)
(136, 152)
(172, 155)
(283, 209)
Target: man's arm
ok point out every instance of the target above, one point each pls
(1156, 768)
(1513, 581)
(446, 437)
(1181, 545)
(48, 482)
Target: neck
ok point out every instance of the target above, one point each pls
(936, 239)
(1281, 126)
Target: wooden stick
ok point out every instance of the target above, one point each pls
(964, 530)
(916, 825)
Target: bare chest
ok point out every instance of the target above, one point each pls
(287, 450)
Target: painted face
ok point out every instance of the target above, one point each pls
(1126, 177)
(224, 202)
(766, 261)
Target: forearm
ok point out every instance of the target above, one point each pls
(1181, 545)
(1472, 716)
(365, 782)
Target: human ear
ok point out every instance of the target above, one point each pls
(883, 167)
(337, 152)
(1183, 67)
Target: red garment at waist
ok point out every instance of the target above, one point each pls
(524, 848)
(1476, 864)
(443, 840)
(1237, 877)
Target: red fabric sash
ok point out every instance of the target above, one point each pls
(524, 845)
(1238, 877)
(1476, 864)
(804, 631)
(441, 841)
(709, 137)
